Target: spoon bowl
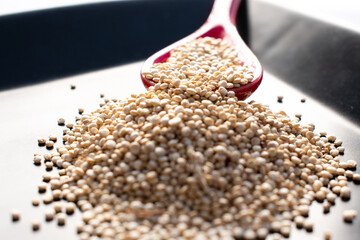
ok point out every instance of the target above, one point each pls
(220, 25)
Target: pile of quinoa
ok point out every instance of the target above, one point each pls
(188, 160)
(208, 60)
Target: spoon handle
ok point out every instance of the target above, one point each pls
(224, 11)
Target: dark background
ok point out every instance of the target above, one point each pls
(47, 44)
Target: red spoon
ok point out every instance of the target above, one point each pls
(220, 24)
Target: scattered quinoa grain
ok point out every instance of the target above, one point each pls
(70, 208)
(41, 141)
(308, 225)
(336, 190)
(47, 157)
(349, 215)
(349, 174)
(345, 192)
(72, 86)
(285, 231)
(326, 207)
(80, 227)
(42, 187)
(70, 197)
(35, 202)
(280, 99)
(37, 159)
(49, 165)
(323, 134)
(56, 194)
(338, 143)
(331, 197)
(46, 177)
(299, 221)
(49, 215)
(58, 206)
(47, 198)
(331, 138)
(62, 172)
(351, 164)
(356, 177)
(341, 150)
(55, 184)
(35, 225)
(49, 144)
(334, 152)
(53, 138)
(61, 121)
(304, 210)
(343, 165)
(320, 196)
(61, 219)
(327, 235)
(15, 215)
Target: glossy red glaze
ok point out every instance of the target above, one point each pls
(220, 24)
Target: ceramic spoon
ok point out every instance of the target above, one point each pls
(220, 24)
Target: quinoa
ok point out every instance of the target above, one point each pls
(187, 159)
(15, 215)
